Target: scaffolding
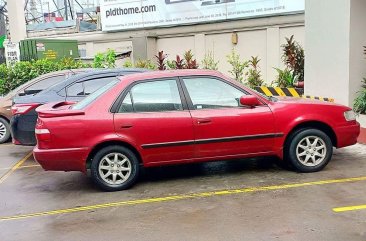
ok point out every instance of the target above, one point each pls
(38, 11)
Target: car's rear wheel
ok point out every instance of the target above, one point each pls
(4, 131)
(308, 150)
(115, 168)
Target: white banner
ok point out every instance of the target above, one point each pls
(134, 14)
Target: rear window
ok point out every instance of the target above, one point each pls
(88, 100)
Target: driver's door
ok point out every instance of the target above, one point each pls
(222, 127)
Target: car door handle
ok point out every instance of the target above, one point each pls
(126, 126)
(203, 121)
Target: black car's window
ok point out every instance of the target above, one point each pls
(88, 100)
(88, 87)
(209, 93)
(44, 83)
(154, 96)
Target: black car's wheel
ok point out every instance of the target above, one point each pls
(115, 168)
(308, 150)
(4, 131)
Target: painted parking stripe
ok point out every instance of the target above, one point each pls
(350, 208)
(182, 197)
(21, 167)
(16, 166)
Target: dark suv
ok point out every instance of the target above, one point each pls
(72, 89)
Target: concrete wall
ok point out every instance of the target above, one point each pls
(335, 35)
(260, 37)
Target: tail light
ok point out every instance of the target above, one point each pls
(43, 134)
(21, 109)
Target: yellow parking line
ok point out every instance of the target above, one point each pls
(182, 197)
(16, 166)
(9, 144)
(21, 167)
(351, 208)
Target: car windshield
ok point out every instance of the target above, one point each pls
(85, 102)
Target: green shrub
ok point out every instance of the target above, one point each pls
(209, 61)
(293, 56)
(145, 64)
(284, 79)
(21, 72)
(359, 105)
(105, 60)
(254, 76)
(237, 66)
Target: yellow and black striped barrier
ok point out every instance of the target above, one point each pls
(290, 92)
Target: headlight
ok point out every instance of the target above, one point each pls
(350, 115)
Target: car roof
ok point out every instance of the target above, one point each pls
(51, 74)
(172, 73)
(92, 73)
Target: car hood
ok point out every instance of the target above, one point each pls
(302, 100)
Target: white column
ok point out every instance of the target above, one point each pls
(199, 47)
(273, 53)
(334, 36)
(16, 20)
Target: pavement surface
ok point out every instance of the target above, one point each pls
(236, 200)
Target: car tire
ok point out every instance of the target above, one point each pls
(115, 168)
(4, 130)
(308, 150)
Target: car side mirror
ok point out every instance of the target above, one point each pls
(249, 100)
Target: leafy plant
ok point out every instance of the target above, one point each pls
(209, 62)
(284, 78)
(294, 58)
(170, 64)
(254, 74)
(127, 64)
(19, 73)
(105, 60)
(178, 63)
(359, 105)
(145, 64)
(190, 63)
(161, 59)
(237, 66)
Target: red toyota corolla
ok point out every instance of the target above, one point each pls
(172, 117)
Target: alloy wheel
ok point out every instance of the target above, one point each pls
(115, 168)
(2, 130)
(311, 151)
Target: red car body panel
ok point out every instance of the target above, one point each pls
(180, 136)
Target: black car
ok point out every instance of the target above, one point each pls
(72, 89)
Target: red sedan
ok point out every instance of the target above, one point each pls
(172, 117)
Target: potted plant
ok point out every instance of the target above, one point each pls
(359, 106)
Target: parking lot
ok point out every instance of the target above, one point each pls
(237, 200)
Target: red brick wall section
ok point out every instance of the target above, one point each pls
(362, 136)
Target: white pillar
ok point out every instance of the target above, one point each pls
(273, 53)
(199, 47)
(16, 20)
(334, 36)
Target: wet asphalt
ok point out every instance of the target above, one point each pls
(257, 201)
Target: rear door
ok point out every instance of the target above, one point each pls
(222, 127)
(154, 116)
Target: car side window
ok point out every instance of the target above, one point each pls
(44, 83)
(88, 87)
(153, 96)
(211, 93)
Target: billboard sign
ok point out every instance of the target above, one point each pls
(135, 14)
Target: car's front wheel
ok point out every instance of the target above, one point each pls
(115, 168)
(308, 150)
(4, 131)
